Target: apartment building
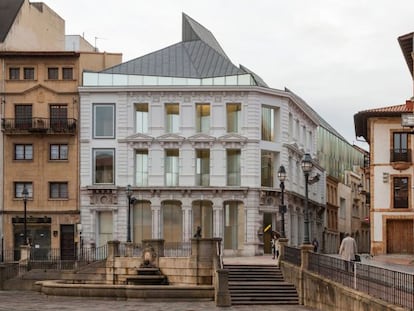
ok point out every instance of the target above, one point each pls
(182, 138)
(40, 146)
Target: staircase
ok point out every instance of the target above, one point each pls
(259, 285)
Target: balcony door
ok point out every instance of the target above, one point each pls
(23, 116)
(58, 117)
(400, 152)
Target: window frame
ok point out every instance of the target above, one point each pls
(170, 126)
(12, 73)
(59, 146)
(94, 152)
(237, 114)
(141, 115)
(61, 192)
(175, 169)
(29, 73)
(141, 177)
(29, 187)
(24, 152)
(55, 71)
(237, 177)
(202, 162)
(66, 70)
(95, 120)
(203, 120)
(404, 202)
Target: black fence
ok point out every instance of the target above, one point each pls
(391, 286)
(292, 255)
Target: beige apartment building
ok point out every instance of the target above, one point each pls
(39, 79)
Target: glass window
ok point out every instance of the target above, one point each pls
(141, 168)
(67, 73)
(23, 152)
(203, 118)
(233, 117)
(172, 222)
(53, 73)
(142, 221)
(18, 189)
(203, 167)
(141, 118)
(14, 73)
(59, 152)
(400, 150)
(104, 121)
(172, 112)
(267, 169)
(28, 73)
(104, 160)
(268, 124)
(233, 167)
(400, 192)
(58, 190)
(171, 167)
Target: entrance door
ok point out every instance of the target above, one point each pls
(400, 236)
(67, 242)
(267, 232)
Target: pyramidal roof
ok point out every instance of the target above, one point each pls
(198, 55)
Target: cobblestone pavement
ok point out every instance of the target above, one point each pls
(34, 301)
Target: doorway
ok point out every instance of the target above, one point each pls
(67, 242)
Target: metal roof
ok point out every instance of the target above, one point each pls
(198, 55)
(8, 13)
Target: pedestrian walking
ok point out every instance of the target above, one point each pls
(347, 250)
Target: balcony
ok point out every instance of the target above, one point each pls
(38, 126)
(400, 158)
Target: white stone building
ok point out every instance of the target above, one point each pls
(200, 142)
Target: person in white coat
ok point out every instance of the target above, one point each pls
(347, 250)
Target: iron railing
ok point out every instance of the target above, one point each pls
(134, 251)
(39, 125)
(400, 155)
(177, 249)
(388, 285)
(292, 255)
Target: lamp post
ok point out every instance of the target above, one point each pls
(129, 195)
(25, 194)
(281, 174)
(307, 168)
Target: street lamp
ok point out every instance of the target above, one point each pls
(25, 194)
(307, 168)
(131, 199)
(281, 174)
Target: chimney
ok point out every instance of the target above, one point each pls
(409, 104)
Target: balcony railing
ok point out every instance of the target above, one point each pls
(400, 155)
(38, 125)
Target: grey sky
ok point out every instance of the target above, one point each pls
(340, 56)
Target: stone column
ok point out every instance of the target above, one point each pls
(305, 250)
(24, 259)
(156, 220)
(222, 293)
(113, 249)
(282, 242)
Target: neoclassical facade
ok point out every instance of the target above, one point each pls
(200, 142)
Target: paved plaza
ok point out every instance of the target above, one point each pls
(34, 301)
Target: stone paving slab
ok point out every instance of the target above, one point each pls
(34, 301)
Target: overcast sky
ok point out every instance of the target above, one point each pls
(340, 56)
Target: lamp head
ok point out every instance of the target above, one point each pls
(25, 193)
(307, 164)
(281, 174)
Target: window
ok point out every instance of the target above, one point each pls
(59, 152)
(23, 152)
(171, 167)
(141, 118)
(58, 190)
(400, 192)
(104, 120)
(172, 220)
(59, 117)
(18, 189)
(141, 167)
(233, 167)
(104, 160)
(14, 73)
(23, 116)
(53, 73)
(233, 117)
(172, 122)
(400, 152)
(28, 73)
(267, 169)
(142, 221)
(67, 73)
(203, 118)
(342, 208)
(203, 167)
(202, 213)
(268, 124)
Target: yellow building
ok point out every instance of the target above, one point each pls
(39, 107)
